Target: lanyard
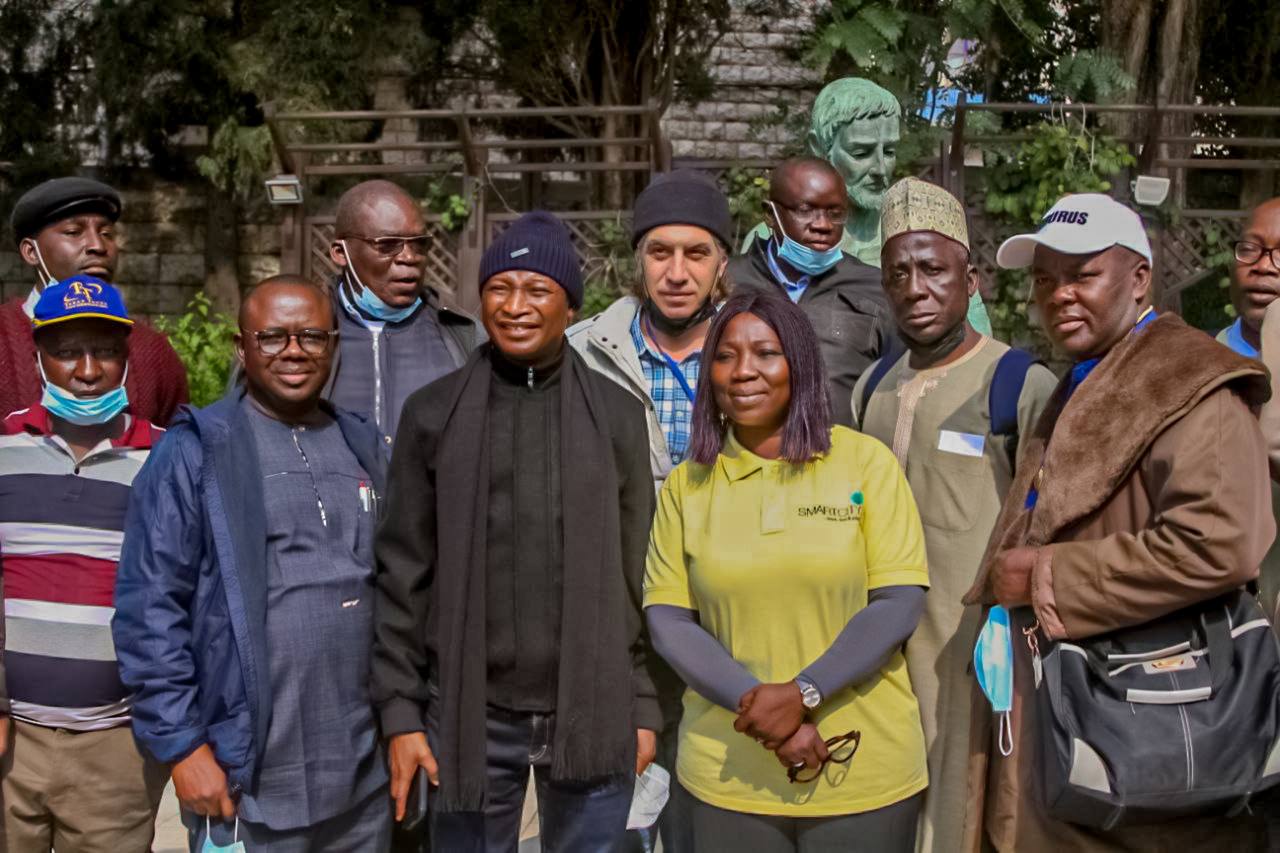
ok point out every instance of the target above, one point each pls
(671, 363)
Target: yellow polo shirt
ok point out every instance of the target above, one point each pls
(776, 558)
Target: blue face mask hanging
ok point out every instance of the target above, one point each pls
(83, 411)
(806, 260)
(236, 845)
(368, 301)
(993, 664)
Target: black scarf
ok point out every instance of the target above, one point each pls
(594, 736)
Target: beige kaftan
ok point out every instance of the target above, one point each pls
(937, 423)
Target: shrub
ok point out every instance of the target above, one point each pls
(202, 338)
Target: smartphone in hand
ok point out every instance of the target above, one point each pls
(415, 810)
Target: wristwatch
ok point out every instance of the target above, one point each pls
(810, 695)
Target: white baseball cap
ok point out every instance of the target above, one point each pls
(1080, 224)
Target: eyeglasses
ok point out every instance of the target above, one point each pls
(840, 750)
(389, 247)
(272, 342)
(808, 213)
(1251, 253)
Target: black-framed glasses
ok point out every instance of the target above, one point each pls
(389, 247)
(808, 213)
(1250, 253)
(312, 341)
(840, 750)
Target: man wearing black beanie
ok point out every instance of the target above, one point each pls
(508, 629)
(650, 343)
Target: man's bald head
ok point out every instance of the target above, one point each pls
(798, 172)
(262, 293)
(372, 216)
(807, 203)
(1264, 216)
(358, 203)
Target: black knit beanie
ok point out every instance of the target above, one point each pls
(538, 242)
(682, 197)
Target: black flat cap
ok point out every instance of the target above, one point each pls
(59, 198)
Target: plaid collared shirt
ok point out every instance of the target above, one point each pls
(674, 409)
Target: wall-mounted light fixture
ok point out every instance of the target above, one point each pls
(284, 189)
(1150, 191)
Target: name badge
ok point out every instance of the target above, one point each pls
(961, 443)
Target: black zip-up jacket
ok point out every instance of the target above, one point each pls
(848, 310)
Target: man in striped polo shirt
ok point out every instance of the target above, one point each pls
(73, 778)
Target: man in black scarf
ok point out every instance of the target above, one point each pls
(508, 630)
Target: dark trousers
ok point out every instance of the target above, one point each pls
(365, 827)
(575, 818)
(891, 829)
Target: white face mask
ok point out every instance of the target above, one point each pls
(652, 790)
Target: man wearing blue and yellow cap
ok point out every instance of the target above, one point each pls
(73, 775)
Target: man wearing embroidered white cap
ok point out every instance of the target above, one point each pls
(1124, 507)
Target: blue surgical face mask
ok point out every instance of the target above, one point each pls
(993, 664)
(368, 301)
(806, 260)
(236, 845)
(83, 411)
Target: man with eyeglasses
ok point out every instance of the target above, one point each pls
(397, 333)
(805, 212)
(1255, 284)
(244, 597)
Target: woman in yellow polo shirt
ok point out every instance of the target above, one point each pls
(785, 571)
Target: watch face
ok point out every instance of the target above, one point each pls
(810, 697)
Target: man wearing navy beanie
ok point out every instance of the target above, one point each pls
(510, 563)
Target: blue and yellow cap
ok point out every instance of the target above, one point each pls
(79, 297)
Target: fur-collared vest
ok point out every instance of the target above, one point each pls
(1153, 494)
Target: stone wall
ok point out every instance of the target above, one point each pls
(164, 250)
(756, 80)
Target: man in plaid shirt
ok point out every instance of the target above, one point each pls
(650, 343)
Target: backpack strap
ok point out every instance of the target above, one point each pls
(1006, 388)
(878, 370)
(1002, 398)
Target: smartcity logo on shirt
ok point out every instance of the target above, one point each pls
(851, 512)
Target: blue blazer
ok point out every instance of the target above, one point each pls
(191, 587)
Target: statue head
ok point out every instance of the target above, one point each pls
(855, 126)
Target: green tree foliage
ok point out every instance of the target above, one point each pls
(1021, 185)
(202, 338)
(1058, 158)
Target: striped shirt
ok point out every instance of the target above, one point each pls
(672, 405)
(61, 525)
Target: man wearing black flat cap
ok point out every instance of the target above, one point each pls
(66, 227)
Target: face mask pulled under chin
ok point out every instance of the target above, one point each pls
(677, 326)
(368, 301)
(806, 260)
(83, 411)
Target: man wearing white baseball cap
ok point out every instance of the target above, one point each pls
(1125, 506)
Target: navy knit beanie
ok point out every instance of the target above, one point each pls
(682, 197)
(538, 242)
